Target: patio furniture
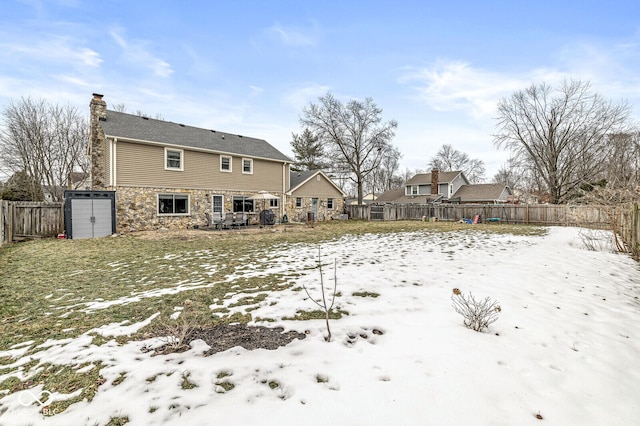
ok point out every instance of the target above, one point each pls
(216, 220)
(228, 220)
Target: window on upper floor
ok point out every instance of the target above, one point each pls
(247, 166)
(225, 163)
(411, 190)
(173, 159)
(173, 204)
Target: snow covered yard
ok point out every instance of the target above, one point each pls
(564, 351)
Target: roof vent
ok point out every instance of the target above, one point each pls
(182, 125)
(144, 118)
(239, 136)
(222, 136)
(102, 118)
(213, 131)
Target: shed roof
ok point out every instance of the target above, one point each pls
(149, 130)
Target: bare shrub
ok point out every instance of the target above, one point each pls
(322, 303)
(598, 240)
(177, 330)
(477, 314)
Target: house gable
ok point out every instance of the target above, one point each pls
(313, 183)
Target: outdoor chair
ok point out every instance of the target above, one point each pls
(228, 220)
(217, 220)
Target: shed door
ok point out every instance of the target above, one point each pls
(91, 218)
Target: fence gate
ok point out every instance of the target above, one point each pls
(376, 212)
(89, 214)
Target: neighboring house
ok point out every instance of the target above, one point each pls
(77, 180)
(312, 191)
(169, 175)
(445, 187)
(483, 193)
(366, 199)
(524, 197)
(426, 188)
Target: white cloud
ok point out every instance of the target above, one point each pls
(293, 37)
(256, 90)
(456, 85)
(51, 49)
(136, 51)
(300, 97)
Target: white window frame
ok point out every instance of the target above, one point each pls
(298, 202)
(410, 189)
(230, 158)
(330, 203)
(274, 203)
(168, 194)
(166, 158)
(213, 209)
(250, 160)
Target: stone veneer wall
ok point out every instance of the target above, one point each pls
(299, 214)
(136, 208)
(98, 110)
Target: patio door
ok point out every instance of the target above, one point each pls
(314, 208)
(217, 204)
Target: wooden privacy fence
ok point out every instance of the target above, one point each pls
(624, 219)
(25, 219)
(629, 225)
(535, 214)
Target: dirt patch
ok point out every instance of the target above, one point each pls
(226, 336)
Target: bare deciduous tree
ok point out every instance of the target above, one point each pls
(46, 141)
(622, 168)
(354, 134)
(387, 175)
(562, 135)
(449, 159)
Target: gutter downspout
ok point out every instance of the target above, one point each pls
(112, 156)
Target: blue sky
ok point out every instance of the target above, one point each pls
(249, 67)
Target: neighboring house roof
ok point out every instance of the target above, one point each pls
(297, 179)
(484, 192)
(398, 196)
(425, 178)
(148, 130)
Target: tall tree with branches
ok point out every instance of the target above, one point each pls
(47, 142)
(354, 133)
(561, 134)
(449, 159)
(308, 151)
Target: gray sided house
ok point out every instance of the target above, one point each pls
(169, 175)
(446, 187)
(312, 191)
(426, 188)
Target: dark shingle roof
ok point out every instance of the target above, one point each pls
(128, 126)
(296, 178)
(481, 192)
(425, 178)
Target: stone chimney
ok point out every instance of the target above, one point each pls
(97, 143)
(98, 108)
(434, 181)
